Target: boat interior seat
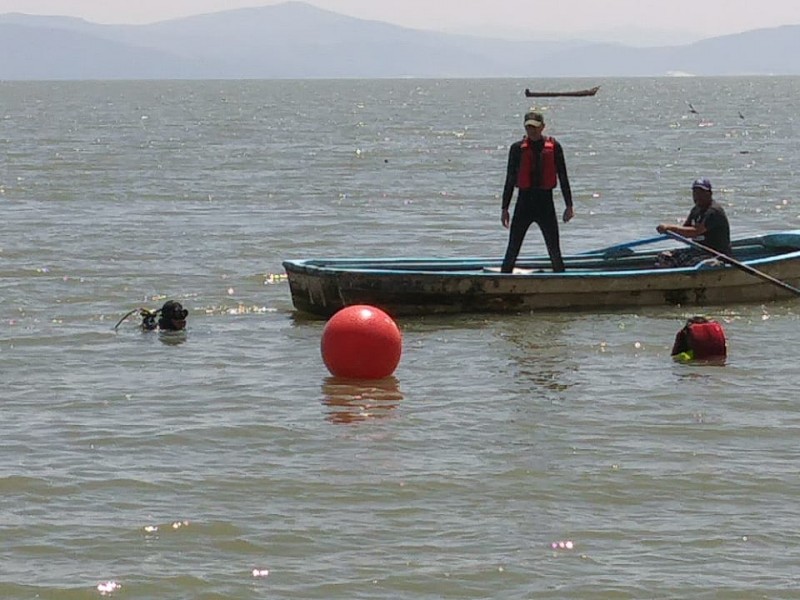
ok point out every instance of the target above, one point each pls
(788, 239)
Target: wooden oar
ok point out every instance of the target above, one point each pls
(733, 262)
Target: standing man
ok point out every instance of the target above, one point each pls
(535, 166)
(707, 223)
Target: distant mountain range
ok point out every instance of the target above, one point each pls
(297, 40)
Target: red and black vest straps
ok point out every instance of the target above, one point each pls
(705, 338)
(547, 162)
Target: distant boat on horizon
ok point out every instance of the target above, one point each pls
(589, 92)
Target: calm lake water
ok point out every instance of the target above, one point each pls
(558, 455)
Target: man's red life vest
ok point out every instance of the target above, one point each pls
(704, 337)
(548, 164)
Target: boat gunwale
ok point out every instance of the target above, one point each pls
(476, 266)
(326, 267)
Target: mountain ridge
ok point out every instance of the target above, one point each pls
(297, 40)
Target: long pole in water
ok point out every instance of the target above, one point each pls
(734, 262)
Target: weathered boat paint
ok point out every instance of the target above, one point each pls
(592, 281)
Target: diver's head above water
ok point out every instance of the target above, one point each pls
(172, 316)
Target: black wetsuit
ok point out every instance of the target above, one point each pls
(534, 205)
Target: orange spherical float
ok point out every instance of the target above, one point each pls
(361, 342)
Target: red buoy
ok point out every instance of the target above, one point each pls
(361, 342)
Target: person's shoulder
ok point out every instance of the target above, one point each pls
(717, 206)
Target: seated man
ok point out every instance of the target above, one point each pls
(707, 223)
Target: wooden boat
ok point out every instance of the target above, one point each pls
(589, 92)
(617, 276)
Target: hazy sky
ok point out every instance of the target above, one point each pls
(706, 17)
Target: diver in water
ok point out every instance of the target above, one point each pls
(170, 317)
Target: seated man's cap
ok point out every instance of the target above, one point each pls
(703, 183)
